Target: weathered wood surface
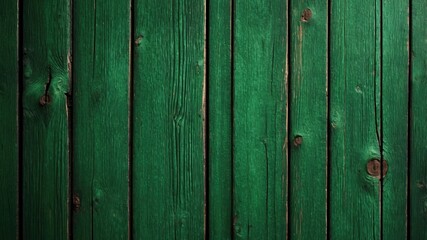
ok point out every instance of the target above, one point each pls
(219, 124)
(308, 119)
(220, 119)
(260, 120)
(418, 116)
(101, 65)
(168, 121)
(355, 134)
(394, 111)
(9, 122)
(45, 150)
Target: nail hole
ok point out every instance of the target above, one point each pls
(297, 140)
(45, 99)
(138, 40)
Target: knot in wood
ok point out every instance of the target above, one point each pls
(306, 15)
(297, 140)
(373, 167)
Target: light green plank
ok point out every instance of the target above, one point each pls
(101, 65)
(418, 115)
(308, 119)
(169, 109)
(395, 37)
(259, 134)
(46, 49)
(219, 105)
(9, 120)
(354, 113)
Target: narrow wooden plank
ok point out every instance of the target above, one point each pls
(308, 119)
(354, 119)
(260, 105)
(168, 172)
(46, 46)
(395, 55)
(9, 120)
(219, 126)
(100, 119)
(418, 116)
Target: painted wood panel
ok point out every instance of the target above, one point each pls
(45, 155)
(9, 87)
(219, 121)
(394, 92)
(101, 82)
(260, 119)
(168, 120)
(418, 115)
(308, 119)
(355, 126)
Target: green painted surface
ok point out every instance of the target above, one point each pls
(168, 121)
(354, 203)
(45, 158)
(194, 120)
(395, 72)
(100, 119)
(8, 119)
(418, 115)
(259, 118)
(308, 119)
(219, 89)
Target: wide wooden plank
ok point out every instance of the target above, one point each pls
(169, 108)
(219, 86)
(308, 119)
(395, 69)
(355, 123)
(418, 115)
(260, 119)
(101, 76)
(9, 120)
(45, 157)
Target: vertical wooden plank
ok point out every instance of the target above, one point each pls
(308, 119)
(395, 56)
(354, 113)
(260, 105)
(168, 172)
(46, 46)
(219, 126)
(418, 130)
(9, 120)
(100, 119)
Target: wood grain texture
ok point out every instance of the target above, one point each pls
(100, 119)
(260, 97)
(46, 47)
(219, 117)
(308, 119)
(418, 116)
(395, 68)
(9, 120)
(354, 119)
(169, 109)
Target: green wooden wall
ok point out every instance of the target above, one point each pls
(214, 119)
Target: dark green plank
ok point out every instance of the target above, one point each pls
(219, 105)
(354, 113)
(9, 120)
(100, 119)
(308, 119)
(395, 37)
(418, 131)
(46, 43)
(260, 142)
(168, 164)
